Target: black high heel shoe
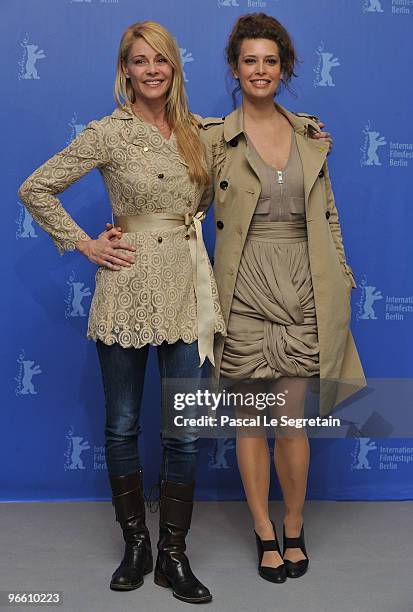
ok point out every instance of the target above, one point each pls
(295, 569)
(273, 574)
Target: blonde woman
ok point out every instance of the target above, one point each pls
(155, 286)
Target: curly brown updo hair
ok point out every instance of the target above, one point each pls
(260, 25)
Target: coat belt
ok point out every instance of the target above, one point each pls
(153, 222)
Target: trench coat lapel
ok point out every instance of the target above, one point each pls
(312, 152)
(234, 129)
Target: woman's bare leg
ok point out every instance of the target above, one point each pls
(254, 466)
(291, 459)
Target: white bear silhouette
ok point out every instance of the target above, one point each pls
(370, 296)
(28, 372)
(78, 294)
(365, 447)
(375, 141)
(185, 59)
(329, 62)
(218, 458)
(32, 56)
(375, 7)
(28, 229)
(77, 448)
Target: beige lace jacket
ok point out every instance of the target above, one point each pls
(154, 300)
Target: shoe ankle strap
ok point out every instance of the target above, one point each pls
(295, 542)
(269, 545)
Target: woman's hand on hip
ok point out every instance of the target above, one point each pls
(104, 251)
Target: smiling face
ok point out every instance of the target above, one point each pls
(149, 72)
(258, 68)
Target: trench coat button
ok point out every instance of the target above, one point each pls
(328, 214)
(220, 225)
(321, 173)
(146, 149)
(159, 239)
(234, 142)
(187, 236)
(224, 185)
(161, 175)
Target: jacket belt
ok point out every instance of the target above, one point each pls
(154, 222)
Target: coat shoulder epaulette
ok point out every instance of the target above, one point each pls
(306, 115)
(208, 122)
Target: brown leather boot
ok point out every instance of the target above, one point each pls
(172, 565)
(127, 498)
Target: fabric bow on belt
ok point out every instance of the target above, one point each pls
(153, 222)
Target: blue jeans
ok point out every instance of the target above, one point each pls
(123, 373)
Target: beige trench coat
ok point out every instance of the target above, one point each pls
(236, 190)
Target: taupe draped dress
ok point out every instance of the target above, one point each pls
(272, 328)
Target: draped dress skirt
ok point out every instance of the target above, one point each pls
(272, 327)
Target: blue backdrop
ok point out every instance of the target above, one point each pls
(59, 65)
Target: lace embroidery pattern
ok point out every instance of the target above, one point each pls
(154, 300)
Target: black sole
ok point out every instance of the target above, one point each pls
(206, 600)
(125, 588)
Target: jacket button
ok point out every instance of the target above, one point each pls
(161, 175)
(328, 214)
(220, 225)
(321, 174)
(224, 185)
(187, 236)
(160, 239)
(234, 142)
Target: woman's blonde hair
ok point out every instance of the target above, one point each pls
(179, 119)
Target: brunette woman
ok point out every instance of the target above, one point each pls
(283, 280)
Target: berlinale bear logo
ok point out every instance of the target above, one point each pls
(373, 140)
(75, 447)
(369, 295)
(326, 62)
(26, 370)
(372, 6)
(31, 53)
